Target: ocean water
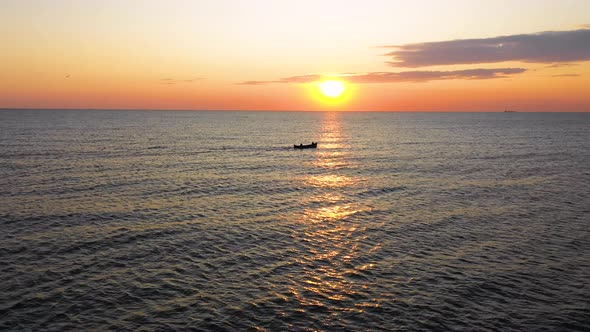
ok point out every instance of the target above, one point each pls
(161, 220)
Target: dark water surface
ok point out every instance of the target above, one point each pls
(114, 220)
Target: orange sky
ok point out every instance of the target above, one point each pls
(269, 55)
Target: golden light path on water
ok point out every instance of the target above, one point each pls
(334, 239)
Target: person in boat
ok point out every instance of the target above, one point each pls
(301, 144)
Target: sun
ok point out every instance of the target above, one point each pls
(332, 89)
(331, 92)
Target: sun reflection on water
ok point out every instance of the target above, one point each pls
(332, 257)
(332, 213)
(330, 181)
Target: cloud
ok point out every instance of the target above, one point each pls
(292, 79)
(543, 47)
(397, 77)
(559, 65)
(172, 81)
(567, 75)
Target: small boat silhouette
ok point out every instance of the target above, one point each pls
(313, 145)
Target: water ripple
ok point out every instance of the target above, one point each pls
(211, 221)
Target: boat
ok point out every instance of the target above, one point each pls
(313, 145)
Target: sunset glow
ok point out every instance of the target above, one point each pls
(309, 165)
(262, 55)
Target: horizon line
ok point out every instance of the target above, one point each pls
(255, 110)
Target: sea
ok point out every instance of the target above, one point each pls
(212, 221)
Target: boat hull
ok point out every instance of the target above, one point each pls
(307, 146)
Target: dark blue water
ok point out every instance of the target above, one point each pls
(114, 220)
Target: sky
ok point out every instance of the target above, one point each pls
(454, 55)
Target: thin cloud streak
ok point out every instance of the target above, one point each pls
(567, 75)
(171, 81)
(397, 77)
(559, 65)
(543, 47)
